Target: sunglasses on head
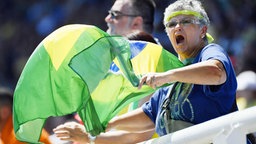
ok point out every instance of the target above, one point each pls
(183, 22)
(118, 14)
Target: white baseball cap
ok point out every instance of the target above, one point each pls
(246, 81)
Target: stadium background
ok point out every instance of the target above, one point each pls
(24, 24)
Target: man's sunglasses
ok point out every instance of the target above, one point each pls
(118, 14)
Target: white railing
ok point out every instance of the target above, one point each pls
(228, 129)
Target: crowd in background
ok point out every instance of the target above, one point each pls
(24, 24)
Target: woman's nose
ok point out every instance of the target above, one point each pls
(178, 24)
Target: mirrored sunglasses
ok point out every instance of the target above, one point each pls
(183, 22)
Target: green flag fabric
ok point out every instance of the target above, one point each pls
(69, 72)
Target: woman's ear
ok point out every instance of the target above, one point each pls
(203, 31)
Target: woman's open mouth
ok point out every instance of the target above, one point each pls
(179, 39)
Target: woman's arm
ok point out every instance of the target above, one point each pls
(210, 72)
(137, 121)
(124, 137)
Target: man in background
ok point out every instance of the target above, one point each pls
(130, 17)
(127, 16)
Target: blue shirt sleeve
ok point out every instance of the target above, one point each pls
(226, 90)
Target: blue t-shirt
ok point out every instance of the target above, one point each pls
(196, 103)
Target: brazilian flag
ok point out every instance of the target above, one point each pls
(69, 72)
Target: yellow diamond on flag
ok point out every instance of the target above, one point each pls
(53, 43)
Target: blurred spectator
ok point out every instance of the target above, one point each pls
(142, 36)
(129, 18)
(7, 135)
(246, 90)
(246, 79)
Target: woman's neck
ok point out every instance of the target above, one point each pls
(192, 54)
(188, 61)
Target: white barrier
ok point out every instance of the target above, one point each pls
(228, 129)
